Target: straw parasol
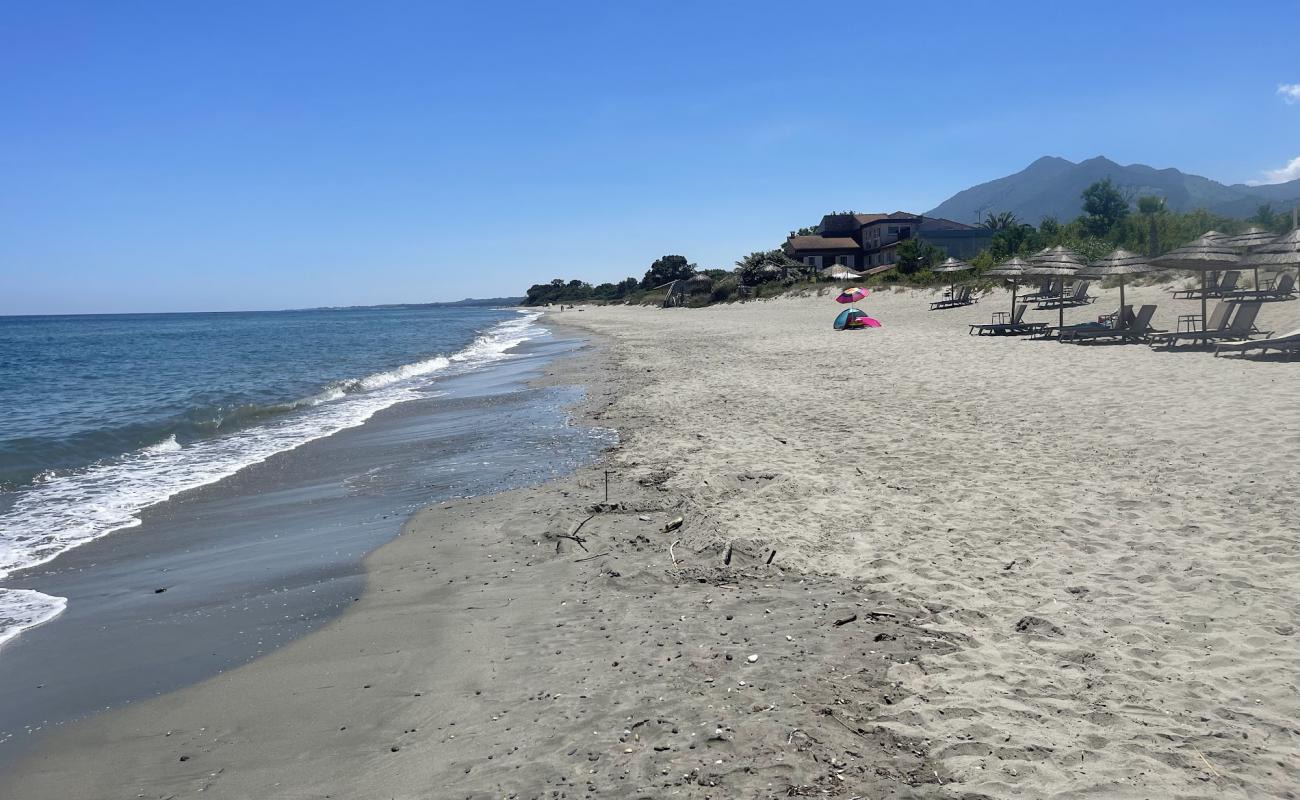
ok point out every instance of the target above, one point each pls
(1203, 255)
(1055, 262)
(1119, 263)
(952, 265)
(1250, 239)
(839, 272)
(1281, 254)
(1013, 269)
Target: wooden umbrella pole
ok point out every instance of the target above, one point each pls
(1204, 291)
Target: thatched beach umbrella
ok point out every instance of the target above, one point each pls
(699, 282)
(1119, 263)
(1281, 254)
(1250, 239)
(1013, 269)
(952, 265)
(839, 272)
(1204, 255)
(1056, 262)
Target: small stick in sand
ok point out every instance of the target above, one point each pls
(771, 556)
(846, 620)
(1207, 762)
(588, 558)
(726, 557)
(670, 551)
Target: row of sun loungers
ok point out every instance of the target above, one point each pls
(1231, 325)
(961, 297)
(1281, 288)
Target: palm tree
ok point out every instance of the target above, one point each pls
(1002, 221)
(1151, 207)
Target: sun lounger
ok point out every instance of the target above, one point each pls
(1286, 343)
(1135, 330)
(1226, 283)
(1048, 289)
(1016, 326)
(1240, 325)
(1078, 296)
(962, 297)
(1283, 289)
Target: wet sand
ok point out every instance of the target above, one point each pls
(1061, 571)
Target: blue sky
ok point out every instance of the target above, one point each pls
(213, 156)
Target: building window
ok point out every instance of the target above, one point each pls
(843, 261)
(893, 229)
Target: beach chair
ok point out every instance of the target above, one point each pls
(1286, 343)
(1239, 326)
(1048, 289)
(1001, 328)
(1077, 296)
(1226, 282)
(1218, 321)
(1281, 289)
(1136, 329)
(962, 297)
(1228, 285)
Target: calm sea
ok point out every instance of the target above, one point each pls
(103, 416)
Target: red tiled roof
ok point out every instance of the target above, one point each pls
(823, 243)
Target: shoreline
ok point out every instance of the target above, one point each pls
(1038, 596)
(364, 676)
(258, 559)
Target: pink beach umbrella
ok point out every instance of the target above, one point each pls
(871, 322)
(852, 295)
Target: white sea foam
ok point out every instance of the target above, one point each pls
(62, 512)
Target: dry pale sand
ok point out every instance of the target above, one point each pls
(1112, 528)
(1069, 572)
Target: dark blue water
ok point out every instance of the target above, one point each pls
(104, 416)
(82, 388)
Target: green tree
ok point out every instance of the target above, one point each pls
(1266, 217)
(1018, 241)
(1103, 208)
(915, 255)
(665, 269)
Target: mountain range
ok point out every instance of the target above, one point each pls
(1051, 187)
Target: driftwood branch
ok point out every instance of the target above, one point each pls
(580, 524)
(577, 539)
(588, 558)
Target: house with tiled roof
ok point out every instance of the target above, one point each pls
(870, 241)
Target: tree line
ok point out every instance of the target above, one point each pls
(1109, 220)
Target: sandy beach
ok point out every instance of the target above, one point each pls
(903, 562)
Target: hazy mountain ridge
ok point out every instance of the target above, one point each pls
(1051, 187)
